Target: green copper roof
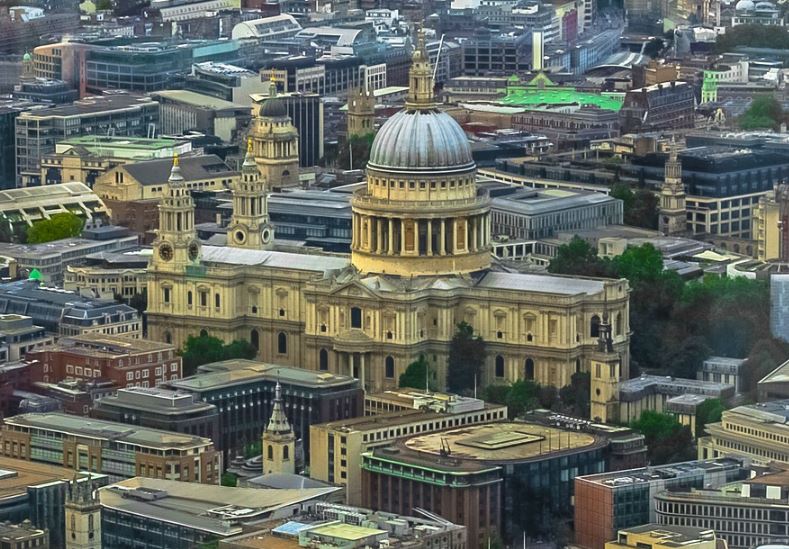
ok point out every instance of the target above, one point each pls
(523, 96)
(35, 274)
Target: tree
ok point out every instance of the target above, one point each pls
(575, 396)
(416, 374)
(765, 356)
(229, 479)
(640, 208)
(764, 112)
(709, 411)
(361, 146)
(578, 257)
(654, 47)
(140, 301)
(206, 349)
(686, 359)
(466, 358)
(760, 36)
(57, 227)
(667, 440)
(522, 396)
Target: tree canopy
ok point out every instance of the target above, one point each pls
(361, 146)
(709, 411)
(758, 36)
(640, 208)
(764, 112)
(415, 375)
(466, 358)
(57, 227)
(206, 349)
(667, 440)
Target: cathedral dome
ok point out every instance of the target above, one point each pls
(273, 108)
(420, 139)
(745, 5)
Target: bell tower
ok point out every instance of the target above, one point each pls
(250, 227)
(83, 515)
(361, 113)
(606, 369)
(278, 442)
(673, 215)
(275, 142)
(176, 245)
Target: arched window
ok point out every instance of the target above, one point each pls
(529, 369)
(323, 359)
(254, 339)
(356, 317)
(189, 298)
(90, 522)
(270, 452)
(618, 324)
(594, 327)
(285, 453)
(389, 367)
(216, 301)
(168, 337)
(203, 333)
(282, 343)
(499, 366)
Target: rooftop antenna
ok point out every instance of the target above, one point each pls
(438, 56)
(475, 384)
(427, 378)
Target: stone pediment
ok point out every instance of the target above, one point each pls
(353, 289)
(352, 341)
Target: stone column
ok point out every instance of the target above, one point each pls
(369, 234)
(454, 244)
(429, 237)
(402, 236)
(379, 236)
(442, 245)
(474, 221)
(391, 237)
(361, 371)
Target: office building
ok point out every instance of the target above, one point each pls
(337, 447)
(20, 336)
(43, 90)
(88, 157)
(7, 148)
(531, 214)
(181, 111)
(722, 369)
(569, 127)
(226, 82)
(647, 392)
(668, 106)
(125, 361)
(166, 514)
(768, 218)
(746, 514)
(243, 391)
(37, 131)
(495, 478)
(20, 208)
(23, 536)
(36, 492)
(67, 314)
(162, 409)
(268, 28)
(109, 274)
(759, 432)
(334, 525)
(51, 259)
(661, 536)
(317, 218)
(115, 449)
(488, 52)
(607, 502)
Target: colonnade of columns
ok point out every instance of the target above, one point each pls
(420, 237)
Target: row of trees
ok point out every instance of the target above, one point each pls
(205, 349)
(677, 324)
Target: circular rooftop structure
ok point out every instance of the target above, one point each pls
(273, 108)
(745, 5)
(416, 140)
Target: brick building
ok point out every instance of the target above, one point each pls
(125, 361)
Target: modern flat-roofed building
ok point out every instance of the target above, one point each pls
(152, 513)
(126, 361)
(159, 408)
(37, 131)
(337, 447)
(317, 218)
(757, 431)
(23, 536)
(668, 106)
(183, 110)
(495, 478)
(722, 369)
(747, 514)
(20, 208)
(110, 274)
(661, 536)
(607, 502)
(775, 385)
(87, 157)
(116, 449)
(20, 336)
(51, 259)
(243, 391)
(66, 313)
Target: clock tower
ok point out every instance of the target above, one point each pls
(176, 245)
(250, 227)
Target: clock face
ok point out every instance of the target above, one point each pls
(165, 251)
(194, 251)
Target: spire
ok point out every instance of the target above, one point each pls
(420, 89)
(278, 424)
(605, 343)
(175, 172)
